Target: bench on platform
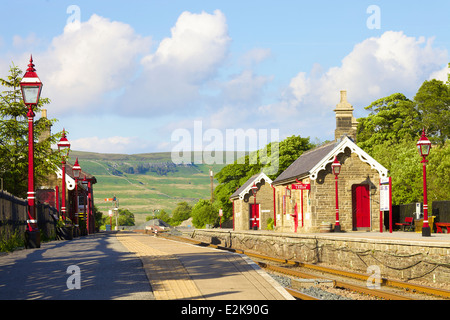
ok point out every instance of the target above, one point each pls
(439, 226)
(407, 225)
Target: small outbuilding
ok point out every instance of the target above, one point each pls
(253, 203)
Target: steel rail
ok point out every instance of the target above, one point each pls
(355, 275)
(300, 295)
(372, 292)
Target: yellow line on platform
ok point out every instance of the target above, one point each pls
(168, 277)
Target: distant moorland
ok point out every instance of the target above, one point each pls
(145, 182)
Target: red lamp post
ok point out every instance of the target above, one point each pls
(76, 174)
(31, 87)
(424, 146)
(254, 191)
(64, 148)
(336, 167)
(85, 184)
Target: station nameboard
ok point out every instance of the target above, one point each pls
(301, 186)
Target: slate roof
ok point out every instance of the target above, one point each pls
(245, 185)
(304, 163)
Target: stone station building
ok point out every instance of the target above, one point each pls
(303, 198)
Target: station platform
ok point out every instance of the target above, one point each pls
(399, 255)
(438, 239)
(181, 271)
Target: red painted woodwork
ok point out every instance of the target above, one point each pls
(361, 206)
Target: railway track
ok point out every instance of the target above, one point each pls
(337, 284)
(291, 269)
(299, 295)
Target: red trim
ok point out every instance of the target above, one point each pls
(390, 205)
(381, 214)
(233, 214)
(274, 208)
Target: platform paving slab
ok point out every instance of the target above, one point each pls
(108, 271)
(185, 271)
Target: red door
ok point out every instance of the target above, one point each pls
(361, 206)
(254, 217)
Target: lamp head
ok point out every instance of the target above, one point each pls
(31, 85)
(336, 166)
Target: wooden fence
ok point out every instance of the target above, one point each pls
(13, 217)
(440, 209)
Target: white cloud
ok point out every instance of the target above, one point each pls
(24, 43)
(376, 67)
(441, 74)
(115, 144)
(300, 86)
(245, 87)
(182, 64)
(255, 56)
(197, 46)
(89, 60)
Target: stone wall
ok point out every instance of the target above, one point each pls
(404, 260)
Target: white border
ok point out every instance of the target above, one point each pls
(340, 148)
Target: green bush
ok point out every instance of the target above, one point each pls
(269, 224)
(16, 240)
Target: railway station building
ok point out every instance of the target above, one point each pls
(79, 192)
(305, 193)
(246, 214)
(303, 198)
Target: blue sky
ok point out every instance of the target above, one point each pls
(123, 76)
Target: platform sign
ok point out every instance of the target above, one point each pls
(386, 201)
(384, 197)
(301, 186)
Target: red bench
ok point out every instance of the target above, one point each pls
(408, 224)
(439, 226)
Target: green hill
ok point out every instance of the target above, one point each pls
(145, 182)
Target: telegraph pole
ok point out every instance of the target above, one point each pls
(211, 177)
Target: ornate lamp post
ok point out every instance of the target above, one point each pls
(336, 167)
(31, 87)
(424, 146)
(254, 191)
(64, 148)
(88, 221)
(76, 174)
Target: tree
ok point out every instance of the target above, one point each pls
(181, 212)
(433, 102)
(98, 217)
(438, 172)
(233, 176)
(448, 75)
(390, 133)
(14, 138)
(391, 119)
(126, 218)
(204, 213)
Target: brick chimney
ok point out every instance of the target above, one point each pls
(346, 124)
(47, 132)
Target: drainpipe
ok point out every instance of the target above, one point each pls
(232, 201)
(274, 208)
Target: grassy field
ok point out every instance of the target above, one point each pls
(156, 182)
